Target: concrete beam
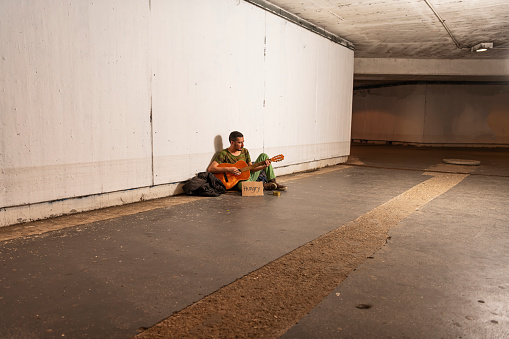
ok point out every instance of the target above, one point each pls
(497, 69)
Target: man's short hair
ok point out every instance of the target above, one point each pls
(234, 135)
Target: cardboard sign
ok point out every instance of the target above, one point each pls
(252, 188)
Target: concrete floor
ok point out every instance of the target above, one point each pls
(442, 274)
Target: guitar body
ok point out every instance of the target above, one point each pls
(230, 180)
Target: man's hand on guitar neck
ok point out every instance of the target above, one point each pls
(263, 166)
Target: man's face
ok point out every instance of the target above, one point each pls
(238, 144)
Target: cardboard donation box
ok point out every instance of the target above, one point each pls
(252, 188)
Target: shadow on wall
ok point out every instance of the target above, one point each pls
(218, 144)
(218, 147)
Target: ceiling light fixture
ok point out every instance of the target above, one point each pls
(482, 47)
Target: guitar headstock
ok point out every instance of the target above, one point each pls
(277, 158)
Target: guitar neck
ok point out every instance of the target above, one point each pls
(250, 167)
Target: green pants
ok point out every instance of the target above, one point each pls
(269, 172)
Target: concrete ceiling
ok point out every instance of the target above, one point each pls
(411, 29)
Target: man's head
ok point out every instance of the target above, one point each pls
(236, 140)
(234, 135)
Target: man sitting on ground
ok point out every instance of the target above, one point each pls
(237, 152)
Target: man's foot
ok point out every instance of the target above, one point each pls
(279, 187)
(270, 186)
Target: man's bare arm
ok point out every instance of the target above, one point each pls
(214, 168)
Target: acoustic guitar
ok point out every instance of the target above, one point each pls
(229, 180)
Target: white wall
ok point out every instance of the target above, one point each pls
(67, 126)
(441, 114)
(110, 102)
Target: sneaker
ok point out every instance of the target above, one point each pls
(270, 186)
(279, 187)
